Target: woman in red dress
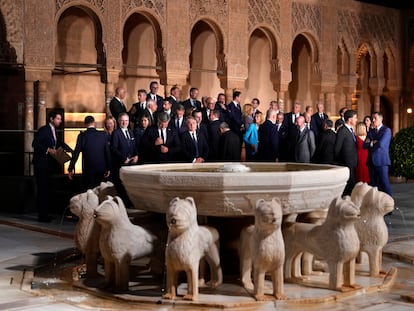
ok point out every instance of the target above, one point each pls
(361, 171)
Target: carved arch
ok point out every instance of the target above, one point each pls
(363, 50)
(7, 52)
(96, 18)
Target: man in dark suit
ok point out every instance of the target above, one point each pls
(95, 155)
(346, 148)
(178, 120)
(206, 111)
(194, 147)
(229, 144)
(174, 98)
(234, 114)
(292, 130)
(138, 109)
(268, 148)
(318, 119)
(116, 105)
(154, 86)
(45, 143)
(161, 143)
(213, 129)
(340, 122)
(151, 111)
(325, 147)
(192, 102)
(124, 152)
(283, 137)
(378, 142)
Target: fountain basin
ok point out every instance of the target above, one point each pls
(231, 193)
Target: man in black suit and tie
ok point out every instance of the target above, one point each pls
(178, 120)
(161, 143)
(325, 148)
(268, 148)
(151, 111)
(346, 148)
(292, 130)
(192, 102)
(194, 146)
(318, 119)
(154, 86)
(45, 143)
(116, 105)
(124, 152)
(138, 109)
(96, 159)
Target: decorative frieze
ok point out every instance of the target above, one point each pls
(157, 6)
(99, 4)
(215, 8)
(306, 16)
(264, 12)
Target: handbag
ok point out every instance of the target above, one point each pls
(61, 156)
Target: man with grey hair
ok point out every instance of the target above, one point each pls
(151, 111)
(229, 144)
(305, 142)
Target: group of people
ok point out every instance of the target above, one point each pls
(167, 130)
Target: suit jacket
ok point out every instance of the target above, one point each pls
(378, 154)
(188, 147)
(213, 140)
(152, 153)
(345, 148)
(268, 149)
(229, 147)
(121, 147)
(116, 107)
(235, 119)
(305, 146)
(182, 128)
(95, 152)
(160, 101)
(135, 113)
(187, 104)
(173, 102)
(43, 139)
(325, 148)
(317, 123)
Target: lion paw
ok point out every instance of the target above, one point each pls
(190, 297)
(168, 296)
(263, 297)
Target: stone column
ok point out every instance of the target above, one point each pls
(376, 103)
(28, 127)
(281, 96)
(41, 111)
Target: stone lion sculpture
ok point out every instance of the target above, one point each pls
(261, 245)
(187, 244)
(121, 242)
(105, 189)
(87, 231)
(335, 241)
(359, 191)
(371, 227)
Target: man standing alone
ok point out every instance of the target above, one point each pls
(346, 148)
(378, 143)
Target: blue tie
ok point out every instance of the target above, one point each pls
(353, 134)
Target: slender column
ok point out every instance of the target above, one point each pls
(41, 112)
(109, 93)
(281, 99)
(376, 103)
(28, 127)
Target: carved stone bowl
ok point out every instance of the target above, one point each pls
(232, 189)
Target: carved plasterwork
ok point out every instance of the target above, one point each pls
(11, 44)
(264, 11)
(379, 28)
(214, 8)
(99, 4)
(156, 6)
(306, 16)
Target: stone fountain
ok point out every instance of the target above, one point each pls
(232, 189)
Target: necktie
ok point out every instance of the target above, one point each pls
(321, 115)
(195, 145)
(353, 134)
(162, 136)
(54, 136)
(142, 106)
(178, 124)
(127, 135)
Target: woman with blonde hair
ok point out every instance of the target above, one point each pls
(251, 137)
(247, 115)
(109, 126)
(361, 171)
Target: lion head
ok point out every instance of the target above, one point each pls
(377, 202)
(181, 214)
(110, 210)
(84, 204)
(359, 191)
(268, 214)
(342, 211)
